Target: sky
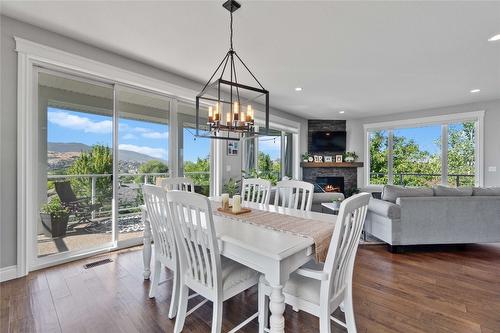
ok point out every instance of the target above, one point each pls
(270, 145)
(425, 137)
(139, 136)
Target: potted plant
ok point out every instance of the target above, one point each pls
(336, 202)
(54, 218)
(305, 157)
(350, 157)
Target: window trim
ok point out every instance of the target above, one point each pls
(443, 121)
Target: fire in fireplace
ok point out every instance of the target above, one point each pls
(330, 184)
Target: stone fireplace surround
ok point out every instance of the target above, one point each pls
(309, 173)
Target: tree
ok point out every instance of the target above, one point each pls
(378, 157)
(199, 172)
(98, 161)
(152, 166)
(268, 169)
(461, 153)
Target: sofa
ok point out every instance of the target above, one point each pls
(439, 215)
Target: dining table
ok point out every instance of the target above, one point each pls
(273, 253)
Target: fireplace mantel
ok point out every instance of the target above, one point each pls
(331, 165)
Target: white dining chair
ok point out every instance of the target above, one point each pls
(289, 193)
(256, 190)
(202, 269)
(321, 289)
(163, 236)
(177, 183)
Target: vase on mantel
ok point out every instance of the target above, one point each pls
(349, 159)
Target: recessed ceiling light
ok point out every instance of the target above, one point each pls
(341, 112)
(298, 89)
(494, 38)
(473, 91)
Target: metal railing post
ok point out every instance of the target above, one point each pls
(93, 194)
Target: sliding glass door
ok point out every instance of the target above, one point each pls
(98, 143)
(75, 158)
(143, 130)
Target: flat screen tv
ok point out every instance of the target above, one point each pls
(328, 141)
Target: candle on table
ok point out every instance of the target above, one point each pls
(236, 204)
(225, 200)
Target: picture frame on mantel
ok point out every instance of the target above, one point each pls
(328, 159)
(338, 158)
(318, 159)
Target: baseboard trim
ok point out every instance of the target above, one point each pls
(8, 273)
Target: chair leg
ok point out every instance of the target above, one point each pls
(155, 280)
(263, 308)
(349, 310)
(217, 316)
(174, 300)
(324, 321)
(182, 308)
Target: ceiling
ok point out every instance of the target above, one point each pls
(367, 58)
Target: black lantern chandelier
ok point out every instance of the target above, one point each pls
(229, 105)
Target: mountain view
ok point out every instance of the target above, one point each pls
(62, 154)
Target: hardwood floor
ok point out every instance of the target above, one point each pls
(440, 291)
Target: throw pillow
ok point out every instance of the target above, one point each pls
(392, 192)
(486, 191)
(446, 191)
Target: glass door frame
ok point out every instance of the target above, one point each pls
(34, 262)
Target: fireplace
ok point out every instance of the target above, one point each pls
(329, 184)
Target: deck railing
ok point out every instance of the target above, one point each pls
(399, 178)
(146, 179)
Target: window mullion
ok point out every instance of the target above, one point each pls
(390, 157)
(444, 154)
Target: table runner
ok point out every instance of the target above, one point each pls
(319, 231)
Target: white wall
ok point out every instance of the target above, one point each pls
(355, 140)
(8, 116)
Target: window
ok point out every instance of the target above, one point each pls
(194, 152)
(444, 151)
(417, 156)
(379, 157)
(269, 156)
(461, 154)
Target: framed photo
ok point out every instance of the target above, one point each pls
(232, 148)
(328, 159)
(338, 158)
(318, 159)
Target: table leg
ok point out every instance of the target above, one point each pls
(277, 308)
(146, 251)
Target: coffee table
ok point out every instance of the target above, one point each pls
(330, 206)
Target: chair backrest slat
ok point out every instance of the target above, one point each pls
(256, 190)
(288, 193)
(163, 234)
(339, 262)
(195, 234)
(177, 183)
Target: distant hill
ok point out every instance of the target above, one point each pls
(67, 147)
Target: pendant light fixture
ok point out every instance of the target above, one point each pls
(225, 107)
